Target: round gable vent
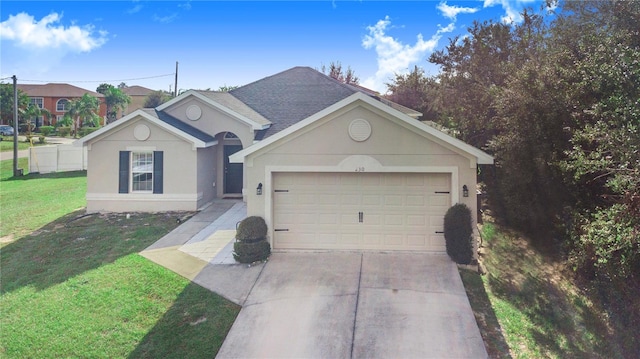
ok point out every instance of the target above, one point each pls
(359, 130)
(194, 112)
(141, 132)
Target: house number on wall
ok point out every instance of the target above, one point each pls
(360, 169)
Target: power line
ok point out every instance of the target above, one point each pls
(101, 81)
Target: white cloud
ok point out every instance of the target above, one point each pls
(33, 47)
(135, 9)
(26, 32)
(394, 56)
(165, 19)
(512, 9)
(452, 12)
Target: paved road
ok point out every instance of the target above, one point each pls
(356, 305)
(8, 155)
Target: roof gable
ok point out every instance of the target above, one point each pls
(454, 144)
(183, 130)
(257, 123)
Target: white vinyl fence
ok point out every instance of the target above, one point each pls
(57, 158)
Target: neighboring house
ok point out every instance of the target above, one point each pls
(329, 166)
(55, 98)
(138, 95)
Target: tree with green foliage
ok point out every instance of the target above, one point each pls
(601, 43)
(335, 71)
(226, 88)
(6, 103)
(84, 111)
(32, 112)
(156, 98)
(416, 91)
(115, 99)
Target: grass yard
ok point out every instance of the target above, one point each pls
(32, 201)
(7, 144)
(76, 287)
(528, 306)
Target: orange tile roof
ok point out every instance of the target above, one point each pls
(55, 90)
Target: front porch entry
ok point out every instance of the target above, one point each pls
(232, 171)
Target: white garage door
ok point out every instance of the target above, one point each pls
(369, 211)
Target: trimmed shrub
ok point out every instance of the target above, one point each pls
(244, 252)
(41, 139)
(458, 233)
(251, 241)
(46, 130)
(251, 229)
(64, 131)
(83, 131)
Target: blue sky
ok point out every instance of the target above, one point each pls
(221, 43)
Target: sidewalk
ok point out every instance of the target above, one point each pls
(201, 250)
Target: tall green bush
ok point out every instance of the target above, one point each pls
(251, 241)
(251, 229)
(607, 244)
(458, 233)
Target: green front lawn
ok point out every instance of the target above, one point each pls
(73, 286)
(31, 201)
(529, 306)
(7, 144)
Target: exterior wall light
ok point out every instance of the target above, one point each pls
(465, 191)
(259, 189)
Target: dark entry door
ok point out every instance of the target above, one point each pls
(232, 171)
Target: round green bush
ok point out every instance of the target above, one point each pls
(244, 252)
(251, 229)
(458, 233)
(64, 131)
(46, 130)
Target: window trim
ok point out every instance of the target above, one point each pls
(40, 104)
(64, 108)
(125, 173)
(132, 173)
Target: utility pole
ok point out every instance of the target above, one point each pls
(15, 126)
(175, 89)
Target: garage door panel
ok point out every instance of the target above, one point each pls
(401, 211)
(417, 240)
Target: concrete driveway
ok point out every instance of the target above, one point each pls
(356, 305)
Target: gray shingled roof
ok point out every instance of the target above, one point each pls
(227, 100)
(295, 94)
(182, 126)
(291, 96)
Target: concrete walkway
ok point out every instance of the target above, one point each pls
(201, 250)
(325, 304)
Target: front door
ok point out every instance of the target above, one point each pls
(232, 171)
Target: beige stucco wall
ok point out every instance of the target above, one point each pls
(212, 121)
(180, 184)
(206, 174)
(325, 144)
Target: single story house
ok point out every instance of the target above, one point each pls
(328, 165)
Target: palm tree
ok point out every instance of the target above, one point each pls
(84, 110)
(32, 111)
(115, 99)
